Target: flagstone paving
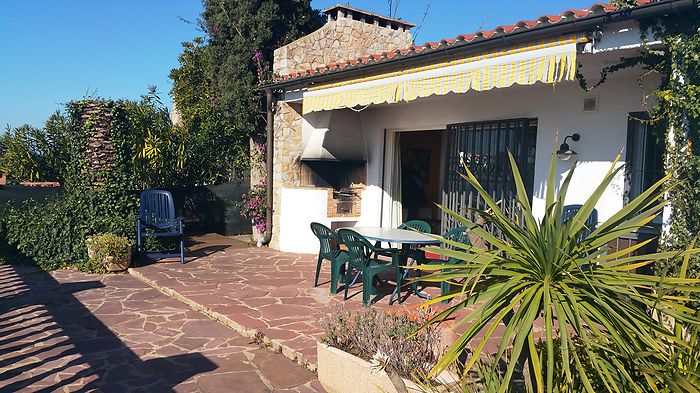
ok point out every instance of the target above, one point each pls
(69, 331)
(262, 291)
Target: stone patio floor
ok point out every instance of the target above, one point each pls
(69, 331)
(265, 292)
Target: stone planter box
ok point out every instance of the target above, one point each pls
(341, 372)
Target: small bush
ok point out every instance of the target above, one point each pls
(106, 248)
(390, 338)
(253, 205)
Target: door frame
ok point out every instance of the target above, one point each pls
(390, 148)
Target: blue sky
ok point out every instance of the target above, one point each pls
(54, 51)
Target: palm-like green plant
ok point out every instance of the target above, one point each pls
(595, 311)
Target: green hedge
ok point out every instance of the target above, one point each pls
(53, 233)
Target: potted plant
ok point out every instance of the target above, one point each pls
(111, 251)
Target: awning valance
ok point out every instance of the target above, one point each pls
(547, 61)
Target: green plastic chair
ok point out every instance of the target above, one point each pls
(419, 225)
(360, 252)
(329, 249)
(458, 235)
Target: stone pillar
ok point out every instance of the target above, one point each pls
(286, 158)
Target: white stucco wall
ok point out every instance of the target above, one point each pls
(302, 206)
(557, 108)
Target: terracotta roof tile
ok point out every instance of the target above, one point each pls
(593, 10)
(465, 37)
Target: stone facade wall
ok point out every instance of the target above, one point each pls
(286, 158)
(339, 40)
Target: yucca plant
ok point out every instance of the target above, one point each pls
(596, 312)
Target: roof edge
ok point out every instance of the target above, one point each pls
(569, 26)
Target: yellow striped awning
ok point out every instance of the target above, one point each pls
(546, 61)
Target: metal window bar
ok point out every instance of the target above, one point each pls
(483, 147)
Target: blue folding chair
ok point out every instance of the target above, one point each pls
(157, 219)
(569, 211)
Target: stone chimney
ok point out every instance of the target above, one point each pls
(349, 34)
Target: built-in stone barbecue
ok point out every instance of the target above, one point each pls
(344, 180)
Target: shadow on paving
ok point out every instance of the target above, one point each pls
(50, 340)
(198, 246)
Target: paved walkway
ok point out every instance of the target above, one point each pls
(69, 331)
(261, 291)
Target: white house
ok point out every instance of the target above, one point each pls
(370, 130)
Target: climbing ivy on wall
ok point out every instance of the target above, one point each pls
(676, 112)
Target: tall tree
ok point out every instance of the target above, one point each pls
(216, 150)
(243, 35)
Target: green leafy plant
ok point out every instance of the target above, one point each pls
(589, 299)
(53, 233)
(106, 249)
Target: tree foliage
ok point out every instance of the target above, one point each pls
(215, 149)
(192, 90)
(243, 35)
(35, 154)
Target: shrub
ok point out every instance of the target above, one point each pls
(106, 248)
(391, 338)
(35, 154)
(53, 233)
(253, 205)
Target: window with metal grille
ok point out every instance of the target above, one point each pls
(645, 155)
(483, 148)
(645, 166)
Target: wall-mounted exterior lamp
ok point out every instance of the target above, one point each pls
(565, 153)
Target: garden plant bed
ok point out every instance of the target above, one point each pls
(342, 372)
